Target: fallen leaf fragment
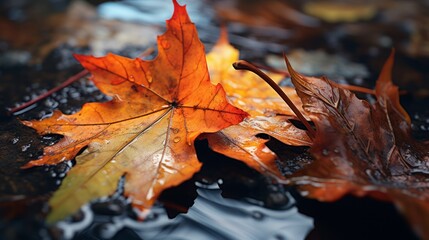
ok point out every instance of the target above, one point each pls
(340, 11)
(364, 149)
(146, 132)
(269, 114)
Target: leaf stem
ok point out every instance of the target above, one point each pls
(244, 65)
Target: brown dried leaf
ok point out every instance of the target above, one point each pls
(364, 149)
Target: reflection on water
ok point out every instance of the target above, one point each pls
(155, 12)
(211, 217)
(204, 15)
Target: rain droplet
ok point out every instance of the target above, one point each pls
(175, 130)
(273, 188)
(15, 140)
(368, 172)
(149, 77)
(325, 152)
(165, 44)
(25, 147)
(257, 215)
(75, 95)
(176, 139)
(131, 78)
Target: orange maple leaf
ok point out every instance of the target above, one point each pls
(364, 149)
(146, 131)
(269, 114)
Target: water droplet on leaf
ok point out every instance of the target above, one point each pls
(176, 139)
(175, 130)
(325, 152)
(165, 44)
(149, 77)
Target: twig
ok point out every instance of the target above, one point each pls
(68, 82)
(244, 65)
(352, 88)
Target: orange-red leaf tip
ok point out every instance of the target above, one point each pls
(79, 57)
(84, 60)
(179, 11)
(176, 3)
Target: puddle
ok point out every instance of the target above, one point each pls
(211, 217)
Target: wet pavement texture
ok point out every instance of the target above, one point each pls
(38, 38)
